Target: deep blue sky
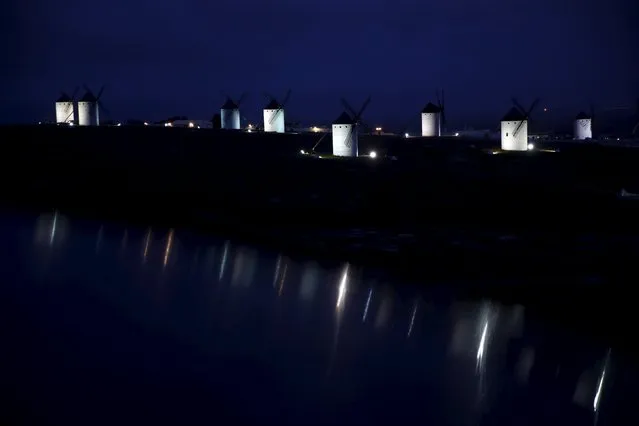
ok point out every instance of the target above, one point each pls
(162, 58)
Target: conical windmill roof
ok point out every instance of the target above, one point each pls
(64, 98)
(273, 105)
(582, 116)
(431, 108)
(514, 115)
(229, 104)
(344, 118)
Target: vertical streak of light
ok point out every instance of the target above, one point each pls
(224, 258)
(368, 303)
(281, 287)
(412, 321)
(53, 228)
(169, 244)
(597, 399)
(278, 264)
(482, 343)
(341, 292)
(147, 242)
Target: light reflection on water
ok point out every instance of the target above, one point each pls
(334, 343)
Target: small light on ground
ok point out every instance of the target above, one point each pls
(146, 123)
(373, 154)
(302, 151)
(249, 130)
(456, 134)
(405, 135)
(531, 146)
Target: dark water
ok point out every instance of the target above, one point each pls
(103, 325)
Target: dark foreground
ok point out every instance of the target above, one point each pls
(513, 227)
(106, 324)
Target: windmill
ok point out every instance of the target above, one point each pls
(274, 114)
(230, 112)
(514, 127)
(433, 116)
(345, 130)
(582, 128)
(89, 107)
(65, 108)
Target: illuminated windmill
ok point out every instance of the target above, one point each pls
(345, 130)
(433, 116)
(65, 108)
(514, 127)
(230, 113)
(274, 114)
(582, 128)
(89, 108)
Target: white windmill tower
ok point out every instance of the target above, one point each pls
(514, 128)
(433, 116)
(274, 114)
(582, 128)
(345, 131)
(230, 113)
(65, 108)
(89, 108)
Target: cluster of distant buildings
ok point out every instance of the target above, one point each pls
(513, 131)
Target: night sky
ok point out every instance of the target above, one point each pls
(161, 58)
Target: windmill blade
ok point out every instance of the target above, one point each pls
(274, 116)
(87, 88)
(104, 109)
(348, 108)
(66, 120)
(75, 92)
(286, 98)
(348, 141)
(532, 107)
(239, 101)
(362, 109)
(518, 106)
(318, 142)
(100, 92)
(521, 123)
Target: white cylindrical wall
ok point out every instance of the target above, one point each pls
(64, 112)
(274, 120)
(583, 129)
(230, 119)
(87, 114)
(512, 142)
(431, 124)
(344, 140)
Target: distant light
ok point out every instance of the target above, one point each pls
(314, 129)
(373, 154)
(250, 126)
(119, 124)
(146, 124)
(71, 123)
(378, 129)
(191, 125)
(302, 151)
(168, 124)
(545, 109)
(39, 122)
(249, 130)
(456, 134)
(198, 127)
(531, 147)
(405, 135)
